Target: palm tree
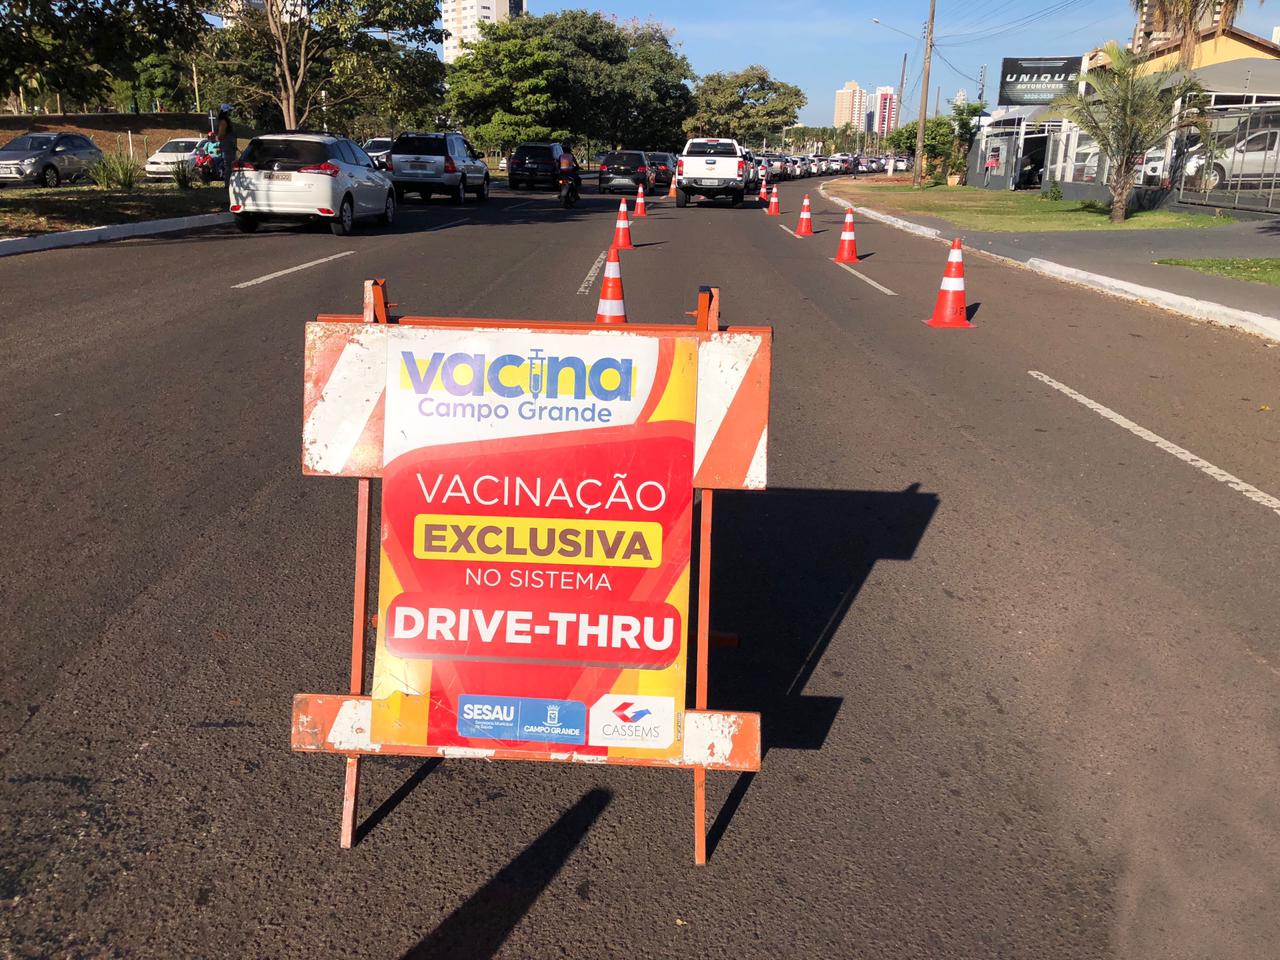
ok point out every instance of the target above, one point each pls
(1185, 19)
(1127, 113)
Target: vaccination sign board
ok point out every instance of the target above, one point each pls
(537, 505)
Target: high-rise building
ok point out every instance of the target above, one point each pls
(961, 98)
(885, 108)
(851, 105)
(1152, 30)
(462, 19)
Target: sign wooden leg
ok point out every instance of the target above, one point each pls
(700, 674)
(359, 611)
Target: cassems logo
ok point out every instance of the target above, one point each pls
(629, 713)
(619, 720)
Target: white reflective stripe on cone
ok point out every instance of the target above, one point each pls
(612, 271)
(611, 308)
(952, 283)
(955, 256)
(847, 235)
(622, 224)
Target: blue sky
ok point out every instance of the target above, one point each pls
(819, 45)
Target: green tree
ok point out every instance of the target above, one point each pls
(319, 50)
(1127, 113)
(506, 88)
(749, 104)
(571, 74)
(939, 135)
(77, 47)
(964, 120)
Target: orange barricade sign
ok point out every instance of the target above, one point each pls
(537, 505)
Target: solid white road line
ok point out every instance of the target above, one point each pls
(1186, 456)
(861, 276)
(788, 229)
(591, 274)
(525, 203)
(281, 273)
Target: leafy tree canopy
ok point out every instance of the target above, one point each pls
(571, 74)
(749, 104)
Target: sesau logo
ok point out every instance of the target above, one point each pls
(522, 719)
(620, 720)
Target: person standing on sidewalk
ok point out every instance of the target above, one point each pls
(225, 133)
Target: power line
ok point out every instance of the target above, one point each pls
(1011, 27)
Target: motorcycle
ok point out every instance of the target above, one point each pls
(568, 191)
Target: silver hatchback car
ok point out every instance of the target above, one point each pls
(47, 159)
(427, 163)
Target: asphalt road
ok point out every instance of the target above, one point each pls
(1017, 660)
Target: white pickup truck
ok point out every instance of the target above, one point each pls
(713, 168)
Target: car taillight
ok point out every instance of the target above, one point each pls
(604, 167)
(741, 167)
(642, 169)
(679, 168)
(449, 165)
(389, 164)
(241, 165)
(325, 169)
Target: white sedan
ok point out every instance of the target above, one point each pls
(309, 176)
(161, 163)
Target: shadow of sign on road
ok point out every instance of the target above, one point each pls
(790, 564)
(478, 928)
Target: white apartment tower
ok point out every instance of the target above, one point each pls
(461, 19)
(851, 106)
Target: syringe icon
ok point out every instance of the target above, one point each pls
(537, 372)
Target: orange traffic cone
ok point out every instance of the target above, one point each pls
(671, 194)
(775, 208)
(611, 308)
(640, 210)
(847, 252)
(764, 189)
(805, 227)
(950, 310)
(622, 228)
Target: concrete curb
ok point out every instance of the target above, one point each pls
(118, 231)
(1255, 323)
(1258, 323)
(931, 233)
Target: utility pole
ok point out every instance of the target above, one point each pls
(924, 96)
(902, 92)
(982, 83)
(937, 101)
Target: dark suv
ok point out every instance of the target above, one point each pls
(535, 163)
(625, 170)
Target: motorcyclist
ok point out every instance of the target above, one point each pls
(569, 167)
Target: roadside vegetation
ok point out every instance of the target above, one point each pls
(973, 208)
(31, 211)
(1257, 270)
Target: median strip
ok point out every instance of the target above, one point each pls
(280, 273)
(1168, 446)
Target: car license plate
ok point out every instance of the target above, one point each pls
(708, 183)
(276, 175)
(419, 166)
